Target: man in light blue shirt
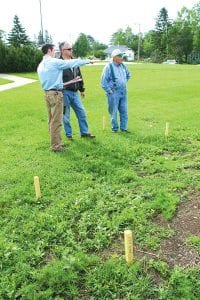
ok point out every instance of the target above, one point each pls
(114, 78)
(50, 71)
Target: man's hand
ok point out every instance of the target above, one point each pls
(93, 61)
(82, 95)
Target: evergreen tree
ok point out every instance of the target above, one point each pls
(17, 37)
(47, 37)
(162, 20)
(40, 39)
(160, 35)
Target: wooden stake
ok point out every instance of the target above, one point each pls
(37, 187)
(128, 242)
(104, 122)
(167, 129)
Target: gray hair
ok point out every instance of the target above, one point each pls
(62, 44)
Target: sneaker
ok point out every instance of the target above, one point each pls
(114, 131)
(125, 131)
(60, 149)
(88, 135)
(69, 137)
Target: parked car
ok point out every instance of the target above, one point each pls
(170, 62)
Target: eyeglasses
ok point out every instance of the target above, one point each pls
(69, 49)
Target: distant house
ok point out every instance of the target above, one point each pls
(128, 53)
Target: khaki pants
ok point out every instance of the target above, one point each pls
(54, 102)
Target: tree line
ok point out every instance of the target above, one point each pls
(170, 39)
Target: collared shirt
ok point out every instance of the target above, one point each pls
(121, 74)
(50, 71)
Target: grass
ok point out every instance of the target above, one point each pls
(52, 248)
(4, 81)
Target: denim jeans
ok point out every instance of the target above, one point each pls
(71, 99)
(117, 102)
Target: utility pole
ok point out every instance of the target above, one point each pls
(42, 33)
(139, 40)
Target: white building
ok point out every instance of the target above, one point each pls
(128, 53)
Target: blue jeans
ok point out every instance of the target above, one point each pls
(71, 99)
(117, 102)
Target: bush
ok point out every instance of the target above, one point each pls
(24, 59)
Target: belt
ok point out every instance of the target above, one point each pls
(55, 90)
(71, 90)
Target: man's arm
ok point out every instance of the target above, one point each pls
(106, 80)
(71, 63)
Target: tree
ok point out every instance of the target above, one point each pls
(81, 47)
(148, 44)
(2, 36)
(47, 37)
(162, 21)
(125, 37)
(131, 39)
(98, 50)
(91, 41)
(40, 39)
(181, 37)
(2, 56)
(195, 24)
(17, 37)
(160, 35)
(118, 38)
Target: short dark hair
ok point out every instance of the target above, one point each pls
(46, 47)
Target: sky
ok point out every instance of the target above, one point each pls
(65, 20)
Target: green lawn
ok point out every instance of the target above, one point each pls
(4, 81)
(68, 244)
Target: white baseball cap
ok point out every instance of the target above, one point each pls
(117, 52)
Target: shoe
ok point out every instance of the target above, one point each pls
(69, 137)
(88, 135)
(125, 131)
(60, 149)
(114, 131)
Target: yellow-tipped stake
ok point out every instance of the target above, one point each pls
(104, 122)
(37, 187)
(167, 129)
(128, 242)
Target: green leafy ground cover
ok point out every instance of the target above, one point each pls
(59, 246)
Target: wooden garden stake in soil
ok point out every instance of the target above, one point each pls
(37, 187)
(128, 242)
(167, 129)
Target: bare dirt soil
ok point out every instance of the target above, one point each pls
(186, 223)
(174, 250)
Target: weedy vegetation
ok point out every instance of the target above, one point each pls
(65, 245)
